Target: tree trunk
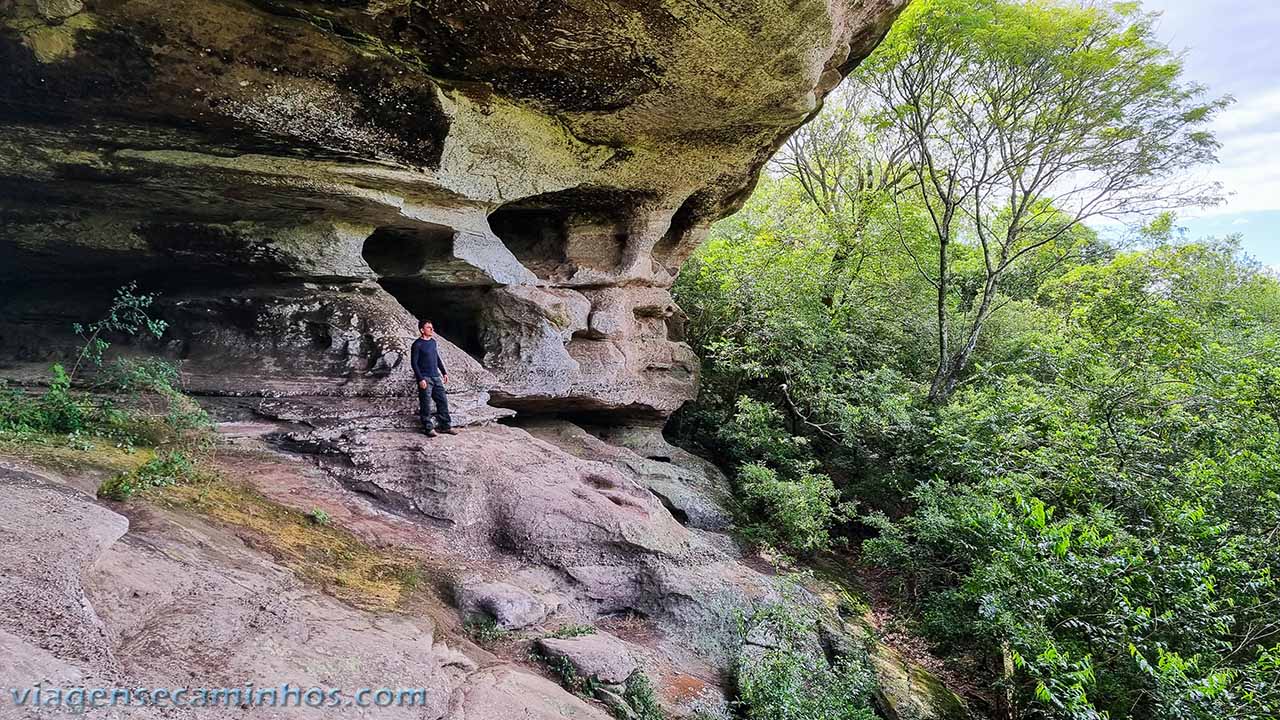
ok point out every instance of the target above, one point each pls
(947, 377)
(1007, 705)
(945, 369)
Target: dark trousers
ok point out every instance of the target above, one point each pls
(433, 391)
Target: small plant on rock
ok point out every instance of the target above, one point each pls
(485, 631)
(569, 677)
(572, 631)
(151, 379)
(128, 314)
(319, 517)
(641, 700)
(61, 410)
(166, 468)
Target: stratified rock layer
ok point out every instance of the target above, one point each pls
(294, 175)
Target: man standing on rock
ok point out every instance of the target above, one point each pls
(428, 369)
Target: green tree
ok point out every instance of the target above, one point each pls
(1021, 121)
(1101, 515)
(1065, 454)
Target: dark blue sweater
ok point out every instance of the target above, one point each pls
(425, 358)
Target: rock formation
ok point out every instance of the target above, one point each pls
(300, 179)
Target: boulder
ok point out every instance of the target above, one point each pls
(50, 536)
(511, 607)
(907, 691)
(599, 655)
(505, 693)
(178, 602)
(58, 9)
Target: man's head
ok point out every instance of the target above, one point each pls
(426, 328)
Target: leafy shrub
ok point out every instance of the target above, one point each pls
(168, 467)
(786, 500)
(142, 378)
(798, 512)
(792, 679)
(128, 314)
(319, 517)
(641, 700)
(153, 408)
(58, 410)
(485, 631)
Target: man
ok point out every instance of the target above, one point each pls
(428, 369)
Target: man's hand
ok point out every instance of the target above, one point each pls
(445, 378)
(422, 384)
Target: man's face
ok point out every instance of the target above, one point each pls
(428, 330)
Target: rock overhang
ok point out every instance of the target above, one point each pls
(538, 170)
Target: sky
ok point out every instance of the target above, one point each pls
(1230, 47)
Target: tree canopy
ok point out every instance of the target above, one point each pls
(1063, 449)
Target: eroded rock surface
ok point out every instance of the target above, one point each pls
(293, 175)
(509, 606)
(692, 489)
(611, 544)
(176, 602)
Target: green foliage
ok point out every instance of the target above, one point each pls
(1093, 505)
(145, 403)
(572, 631)
(485, 631)
(789, 503)
(1065, 453)
(1017, 122)
(58, 411)
(151, 378)
(128, 314)
(319, 517)
(168, 467)
(1107, 520)
(642, 702)
(791, 679)
(798, 512)
(153, 410)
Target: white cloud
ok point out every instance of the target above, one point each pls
(1229, 48)
(1249, 133)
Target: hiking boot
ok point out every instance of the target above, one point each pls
(448, 431)
(429, 432)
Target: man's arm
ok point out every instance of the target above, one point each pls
(440, 361)
(414, 362)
